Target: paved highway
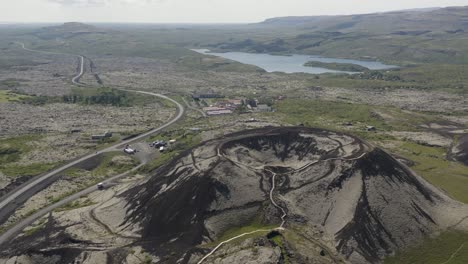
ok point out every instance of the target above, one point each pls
(27, 190)
(76, 77)
(18, 227)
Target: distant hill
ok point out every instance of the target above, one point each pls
(421, 35)
(432, 19)
(67, 30)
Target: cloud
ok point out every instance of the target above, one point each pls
(91, 3)
(79, 2)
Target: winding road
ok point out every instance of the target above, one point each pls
(9, 203)
(76, 78)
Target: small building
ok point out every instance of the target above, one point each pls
(206, 96)
(235, 102)
(213, 108)
(219, 112)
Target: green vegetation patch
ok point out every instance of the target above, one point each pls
(93, 96)
(430, 163)
(33, 229)
(255, 224)
(75, 205)
(212, 63)
(10, 96)
(348, 67)
(448, 248)
(99, 96)
(183, 142)
(334, 114)
(14, 170)
(109, 163)
(11, 150)
(278, 240)
(447, 77)
(327, 114)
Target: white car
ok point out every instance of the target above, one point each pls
(129, 151)
(100, 186)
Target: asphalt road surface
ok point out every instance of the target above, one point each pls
(75, 78)
(13, 200)
(18, 227)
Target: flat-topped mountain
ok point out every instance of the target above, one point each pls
(67, 30)
(411, 22)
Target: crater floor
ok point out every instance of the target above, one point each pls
(301, 194)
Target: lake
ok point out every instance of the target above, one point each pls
(293, 63)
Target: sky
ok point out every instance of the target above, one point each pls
(196, 11)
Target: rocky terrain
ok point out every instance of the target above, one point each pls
(289, 195)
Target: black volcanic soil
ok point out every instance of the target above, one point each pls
(462, 154)
(360, 202)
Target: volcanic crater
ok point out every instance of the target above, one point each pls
(331, 197)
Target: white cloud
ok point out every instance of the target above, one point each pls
(93, 3)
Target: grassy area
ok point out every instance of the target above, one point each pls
(332, 115)
(212, 63)
(14, 170)
(326, 114)
(159, 161)
(436, 251)
(9, 96)
(11, 150)
(277, 239)
(33, 229)
(93, 96)
(431, 164)
(183, 143)
(254, 225)
(429, 76)
(107, 166)
(349, 67)
(75, 205)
